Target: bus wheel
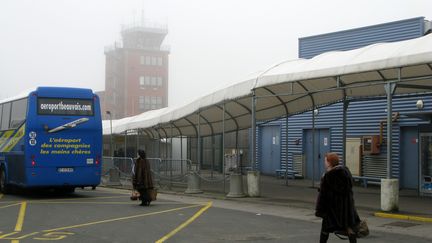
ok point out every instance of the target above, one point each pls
(69, 190)
(3, 187)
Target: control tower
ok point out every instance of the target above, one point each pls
(136, 71)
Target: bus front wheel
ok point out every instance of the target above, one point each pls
(4, 188)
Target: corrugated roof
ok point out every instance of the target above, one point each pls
(299, 84)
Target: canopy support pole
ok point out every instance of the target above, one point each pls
(125, 144)
(389, 88)
(171, 141)
(313, 143)
(137, 140)
(253, 131)
(223, 147)
(286, 149)
(199, 141)
(344, 128)
(389, 186)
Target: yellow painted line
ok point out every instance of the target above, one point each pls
(404, 217)
(119, 219)
(14, 241)
(73, 199)
(17, 238)
(21, 215)
(62, 199)
(6, 235)
(106, 203)
(11, 205)
(186, 223)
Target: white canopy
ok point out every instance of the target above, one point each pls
(295, 86)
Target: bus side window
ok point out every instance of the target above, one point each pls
(5, 116)
(19, 110)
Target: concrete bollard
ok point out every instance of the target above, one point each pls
(194, 184)
(253, 179)
(236, 186)
(389, 195)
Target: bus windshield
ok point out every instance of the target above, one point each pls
(65, 106)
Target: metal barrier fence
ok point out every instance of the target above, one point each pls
(166, 172)
(117, 170)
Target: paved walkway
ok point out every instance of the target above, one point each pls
(300, 193)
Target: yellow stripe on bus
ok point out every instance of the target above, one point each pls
(5, 137)
(14, 140)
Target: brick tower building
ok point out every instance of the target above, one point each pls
(136, 71)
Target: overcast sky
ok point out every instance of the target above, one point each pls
(213, 43)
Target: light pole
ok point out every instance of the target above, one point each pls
(111, 140)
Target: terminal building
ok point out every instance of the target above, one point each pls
(299, 141)
(366, 121)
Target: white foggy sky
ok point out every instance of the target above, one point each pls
(213, 43)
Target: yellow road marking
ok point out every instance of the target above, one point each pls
(19, 223)
(73, 199)
(405, 217)
(4, 237)
(190, 220)
(10, 205)
(62, 199)
(21, 215)
(119, 219)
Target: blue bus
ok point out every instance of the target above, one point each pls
(51, 138)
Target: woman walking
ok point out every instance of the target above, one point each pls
(335, 203)
(142, 180)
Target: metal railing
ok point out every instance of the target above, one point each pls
(166, 172)
(117, 170)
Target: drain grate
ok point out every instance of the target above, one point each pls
(401, 224)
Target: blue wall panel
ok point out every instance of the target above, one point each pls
(360, 37)
(363, 118)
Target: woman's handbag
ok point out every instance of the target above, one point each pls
(135, 195)
(362, 229)
(152, 193)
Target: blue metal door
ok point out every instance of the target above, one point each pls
(270, 149)
(409, 163)
(315, 158)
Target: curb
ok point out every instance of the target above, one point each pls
(404, 217)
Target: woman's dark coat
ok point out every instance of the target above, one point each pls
(142, 177)
(335, 203)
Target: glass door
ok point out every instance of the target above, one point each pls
(426, 163)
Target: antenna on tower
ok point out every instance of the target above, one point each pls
(142, 14)
(134, 23)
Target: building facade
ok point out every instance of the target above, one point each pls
(136, 72)
(366, 122)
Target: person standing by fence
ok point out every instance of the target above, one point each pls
(142, 180)
(335, 202)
